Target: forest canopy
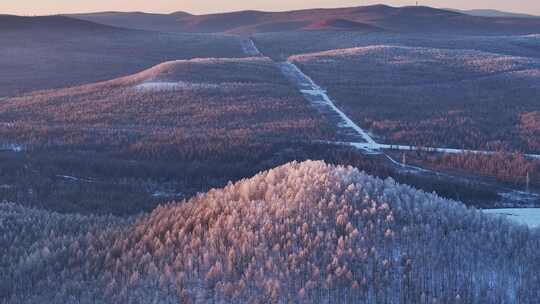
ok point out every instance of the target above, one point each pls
(303, 232)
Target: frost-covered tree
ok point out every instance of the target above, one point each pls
(302, 233)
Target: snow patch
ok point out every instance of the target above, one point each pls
(11, 147)
(75, 179)
(523, 196)
(526, 216)
(173, 86)
(160, 194)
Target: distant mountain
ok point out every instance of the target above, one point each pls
(493, 13)
(58, 51)
(342, 24)
(408, 19)
(136, 20)
(12, 22)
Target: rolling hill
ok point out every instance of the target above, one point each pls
(409, 19)
(46, 23)
(224, 96)
(224, 100)
(434, 97)
(56, 51)
(341, 24)
(303, 232)
(494, 13)
(169, 131)
(136, 20)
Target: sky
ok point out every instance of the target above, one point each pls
(46, 7)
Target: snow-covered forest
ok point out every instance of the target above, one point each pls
(303, 232)
(435, 97)
(348, 155)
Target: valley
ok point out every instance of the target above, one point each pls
(370, 154)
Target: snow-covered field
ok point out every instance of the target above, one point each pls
(527, 216)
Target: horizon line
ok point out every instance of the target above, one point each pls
(262, 11)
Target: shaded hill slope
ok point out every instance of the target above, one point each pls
(52, 52)
(136, 20)
(43, 23)
(342, 24)
(301, 232)
(493, 13)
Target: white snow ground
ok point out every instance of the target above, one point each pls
(75, 179)
(526, 216)
(11, 147)
(165, 194)
(173, 86)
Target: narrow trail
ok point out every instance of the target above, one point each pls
(360, 138)
(320, 100)
(249, 48)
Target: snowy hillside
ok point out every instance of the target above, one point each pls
(434, 97)
(304, 232)
(421, 65)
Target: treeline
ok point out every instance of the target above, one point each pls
(100, 183)
(507, 167)
(306, 232)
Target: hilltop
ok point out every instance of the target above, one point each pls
(494, 13)
(136, 20)
(300, 232)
